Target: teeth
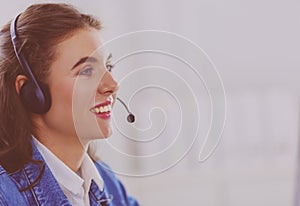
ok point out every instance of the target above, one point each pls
(101, 109)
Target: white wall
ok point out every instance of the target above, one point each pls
(255, 48)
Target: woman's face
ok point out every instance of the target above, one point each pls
(82, 90)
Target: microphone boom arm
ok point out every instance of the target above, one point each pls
(130, 117)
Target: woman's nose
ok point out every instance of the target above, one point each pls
(107, 85)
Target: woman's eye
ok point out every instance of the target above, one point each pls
(109, 67)
(87, 71)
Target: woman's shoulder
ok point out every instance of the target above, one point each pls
(106, 172)
(8, 191)
(114, 185)
(5, 180)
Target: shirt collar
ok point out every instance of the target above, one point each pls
(89, 172)
(68, 178)
(62, 173)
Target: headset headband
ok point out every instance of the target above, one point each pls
(42, 104)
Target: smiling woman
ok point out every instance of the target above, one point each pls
(56, 95)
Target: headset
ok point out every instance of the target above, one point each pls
(34, 95)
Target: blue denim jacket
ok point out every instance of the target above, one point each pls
(47, 191)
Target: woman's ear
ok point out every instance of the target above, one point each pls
(20, 80)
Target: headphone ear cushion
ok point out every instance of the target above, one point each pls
(33, 100)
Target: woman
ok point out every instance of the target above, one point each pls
(49, 117)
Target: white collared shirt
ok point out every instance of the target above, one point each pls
(75, 188)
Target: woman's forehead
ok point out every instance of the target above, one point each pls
(83, 43)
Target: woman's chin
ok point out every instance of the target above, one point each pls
(107, 133)
(100, 133)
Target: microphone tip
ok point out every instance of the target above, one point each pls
(130, 118)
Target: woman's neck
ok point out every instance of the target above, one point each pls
(68, 149)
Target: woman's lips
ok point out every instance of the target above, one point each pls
(102, 110)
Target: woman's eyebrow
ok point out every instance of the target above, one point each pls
(83, 60)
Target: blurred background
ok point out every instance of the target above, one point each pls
(255, 48)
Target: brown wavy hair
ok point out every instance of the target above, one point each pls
(39, 29)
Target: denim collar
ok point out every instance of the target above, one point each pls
(46, 191)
